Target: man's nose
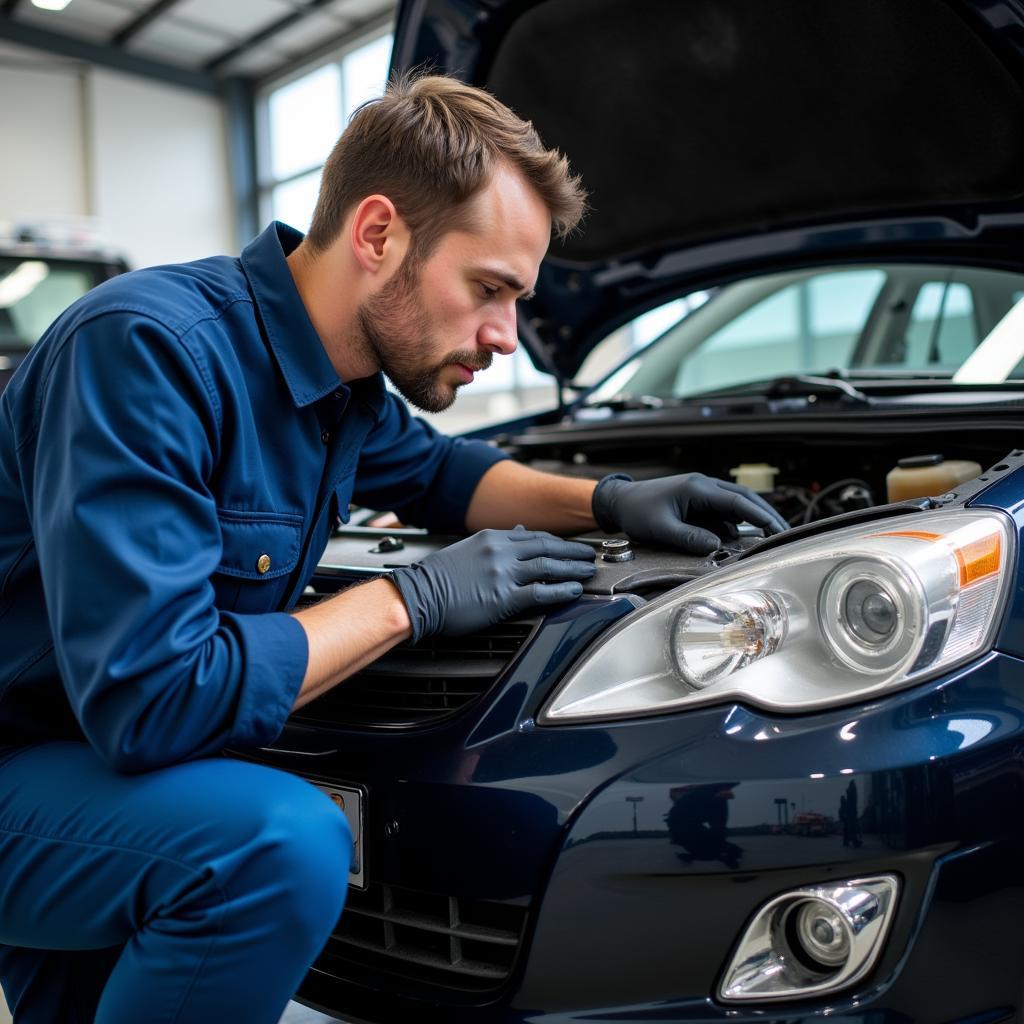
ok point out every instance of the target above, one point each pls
(500, 333)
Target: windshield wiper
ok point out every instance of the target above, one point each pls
(628, 403)
(798, 386)
(790, 386)
(887, 375)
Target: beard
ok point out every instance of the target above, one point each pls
(397, 330)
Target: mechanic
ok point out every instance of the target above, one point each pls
(173, 454)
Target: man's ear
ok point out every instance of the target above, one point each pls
(379, 236)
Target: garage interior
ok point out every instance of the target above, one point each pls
(147, 132)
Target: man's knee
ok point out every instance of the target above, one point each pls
(297, 853)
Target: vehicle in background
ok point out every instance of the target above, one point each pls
(890, 323)
(43, 269)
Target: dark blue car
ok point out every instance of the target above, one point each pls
(786, 781)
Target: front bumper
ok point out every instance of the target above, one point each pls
(632, 854)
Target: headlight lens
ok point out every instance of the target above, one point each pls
(712, 638)
(819, 622)
(871, 613)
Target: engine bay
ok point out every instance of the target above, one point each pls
(808, 472)
(809, 475)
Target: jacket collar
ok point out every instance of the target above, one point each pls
(297, 347)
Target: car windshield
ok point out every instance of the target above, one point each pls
(961, 324)
(33, 293)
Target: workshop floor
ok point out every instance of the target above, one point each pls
(293, 1014)
(296, 1014)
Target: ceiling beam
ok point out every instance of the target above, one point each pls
(330, 45)
(104, 55)
(265, 33)
(247, 44)
(136, 25)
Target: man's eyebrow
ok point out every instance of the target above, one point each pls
(510, 281)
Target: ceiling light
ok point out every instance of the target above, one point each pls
(51, 5)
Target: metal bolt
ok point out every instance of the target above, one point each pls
(616, 551)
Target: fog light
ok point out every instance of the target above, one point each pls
(811, 941)
(820, 936)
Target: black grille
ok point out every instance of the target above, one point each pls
(421, 684)
(437, 940)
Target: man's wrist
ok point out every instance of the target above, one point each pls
(601, 504)
(348, 631)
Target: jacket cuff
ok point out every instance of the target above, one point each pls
(276, 654)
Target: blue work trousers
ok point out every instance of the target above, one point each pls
(193, 894)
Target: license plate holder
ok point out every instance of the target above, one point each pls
(352, 802)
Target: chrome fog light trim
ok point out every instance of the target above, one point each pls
(811, 941)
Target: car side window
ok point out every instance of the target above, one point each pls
(634, 336)
(894, 319)
(942, 330)
(812, 324)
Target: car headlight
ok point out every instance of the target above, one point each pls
(819, 622)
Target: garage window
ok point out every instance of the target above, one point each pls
(301, 119)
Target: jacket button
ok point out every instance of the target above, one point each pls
(263, 564)
(325, 436)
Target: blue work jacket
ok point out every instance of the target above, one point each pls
(173, 455)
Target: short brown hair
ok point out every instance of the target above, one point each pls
(429, 144)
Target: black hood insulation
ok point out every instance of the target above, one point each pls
(691, 119)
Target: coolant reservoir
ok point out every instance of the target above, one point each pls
(758, 476)
(923, 476)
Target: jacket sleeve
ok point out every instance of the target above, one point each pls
(421, 474)
(127, 535)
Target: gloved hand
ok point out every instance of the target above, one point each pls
(490, 576)
(691, 511)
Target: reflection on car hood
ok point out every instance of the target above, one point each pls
(727, 133)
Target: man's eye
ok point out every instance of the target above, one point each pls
(487, 291)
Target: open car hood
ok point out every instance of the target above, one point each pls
(720, 137)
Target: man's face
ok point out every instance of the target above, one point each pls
(432, 326)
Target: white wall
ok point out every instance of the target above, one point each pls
(148, 161)
(41, 138)
(159, 168)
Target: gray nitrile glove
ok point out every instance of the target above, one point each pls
(490, 576)
(689, 512)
